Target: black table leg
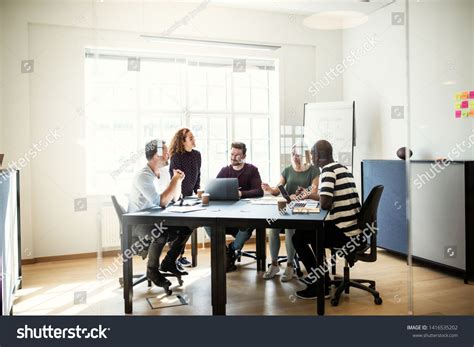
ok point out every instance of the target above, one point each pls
(127, 269)
(320, 264)
(194, 248)
(218, 271)
(261, 249)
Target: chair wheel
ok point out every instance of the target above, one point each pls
(169, 292)
(334, 302)
(149, 283)
(180, 281)
(299, 273)
(378, 300)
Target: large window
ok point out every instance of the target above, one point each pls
(130, 100)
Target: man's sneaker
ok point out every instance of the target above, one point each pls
(230, 258)
(184, 262)
(310, 293)
(289, 274)
(271, 272)
(168, 265)
(157, 278)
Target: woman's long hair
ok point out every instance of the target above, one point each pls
(177, 142)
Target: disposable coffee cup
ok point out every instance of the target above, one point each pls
(205, 198)
(281, 205)
(199, 193)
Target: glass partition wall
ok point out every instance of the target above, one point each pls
(403, 71)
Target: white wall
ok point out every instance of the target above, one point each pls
(377, 81)
(441, 50)
(50, 34)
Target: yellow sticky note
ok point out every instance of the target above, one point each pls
(464, 95)
(457, 105)
(464, 113)
(457, 96)
(471, 103)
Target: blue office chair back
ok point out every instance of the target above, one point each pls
(368, 222)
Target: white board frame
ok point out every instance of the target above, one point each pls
(345, 119)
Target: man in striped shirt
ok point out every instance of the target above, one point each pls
(338, 194)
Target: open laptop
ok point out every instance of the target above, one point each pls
(223, 189)
(285, 194)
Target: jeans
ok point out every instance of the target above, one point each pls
(274, 242)
(303, 239)
(155, 240)
(241, 236)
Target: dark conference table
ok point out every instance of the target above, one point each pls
(219, 215)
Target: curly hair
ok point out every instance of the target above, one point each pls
(177, 142)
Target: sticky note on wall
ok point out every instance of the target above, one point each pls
(458, 114)
(471, 103)
(464, 95)
(464, 104)
(471, 113)
(471, 94)
(457, 105)
(464, 113)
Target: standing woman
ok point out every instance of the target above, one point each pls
(184, 157)
(296, 178)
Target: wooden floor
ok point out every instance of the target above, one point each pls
(71, 288)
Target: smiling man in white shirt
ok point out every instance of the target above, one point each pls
(145, 195)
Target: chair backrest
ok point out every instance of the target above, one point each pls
(118, 209)
(368, 221)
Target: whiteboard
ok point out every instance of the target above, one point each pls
(334, 122)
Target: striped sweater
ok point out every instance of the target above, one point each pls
(337, 182)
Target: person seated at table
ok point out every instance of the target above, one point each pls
(250, 186)
(292, 177)
(144, 195)
(184, 157)
(338, 194)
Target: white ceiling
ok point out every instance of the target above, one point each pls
(302, 7)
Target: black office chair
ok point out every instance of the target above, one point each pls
(367, 217)
(142, 277)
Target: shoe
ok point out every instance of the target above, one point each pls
(306, 280)
(271, 272)
(152, 274)
(289, 274)
(310, 293)
(230, 259)
(168, 265)
(184, 262)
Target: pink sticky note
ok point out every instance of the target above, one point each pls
(471, 94)
(458, 114)
(464, 104)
